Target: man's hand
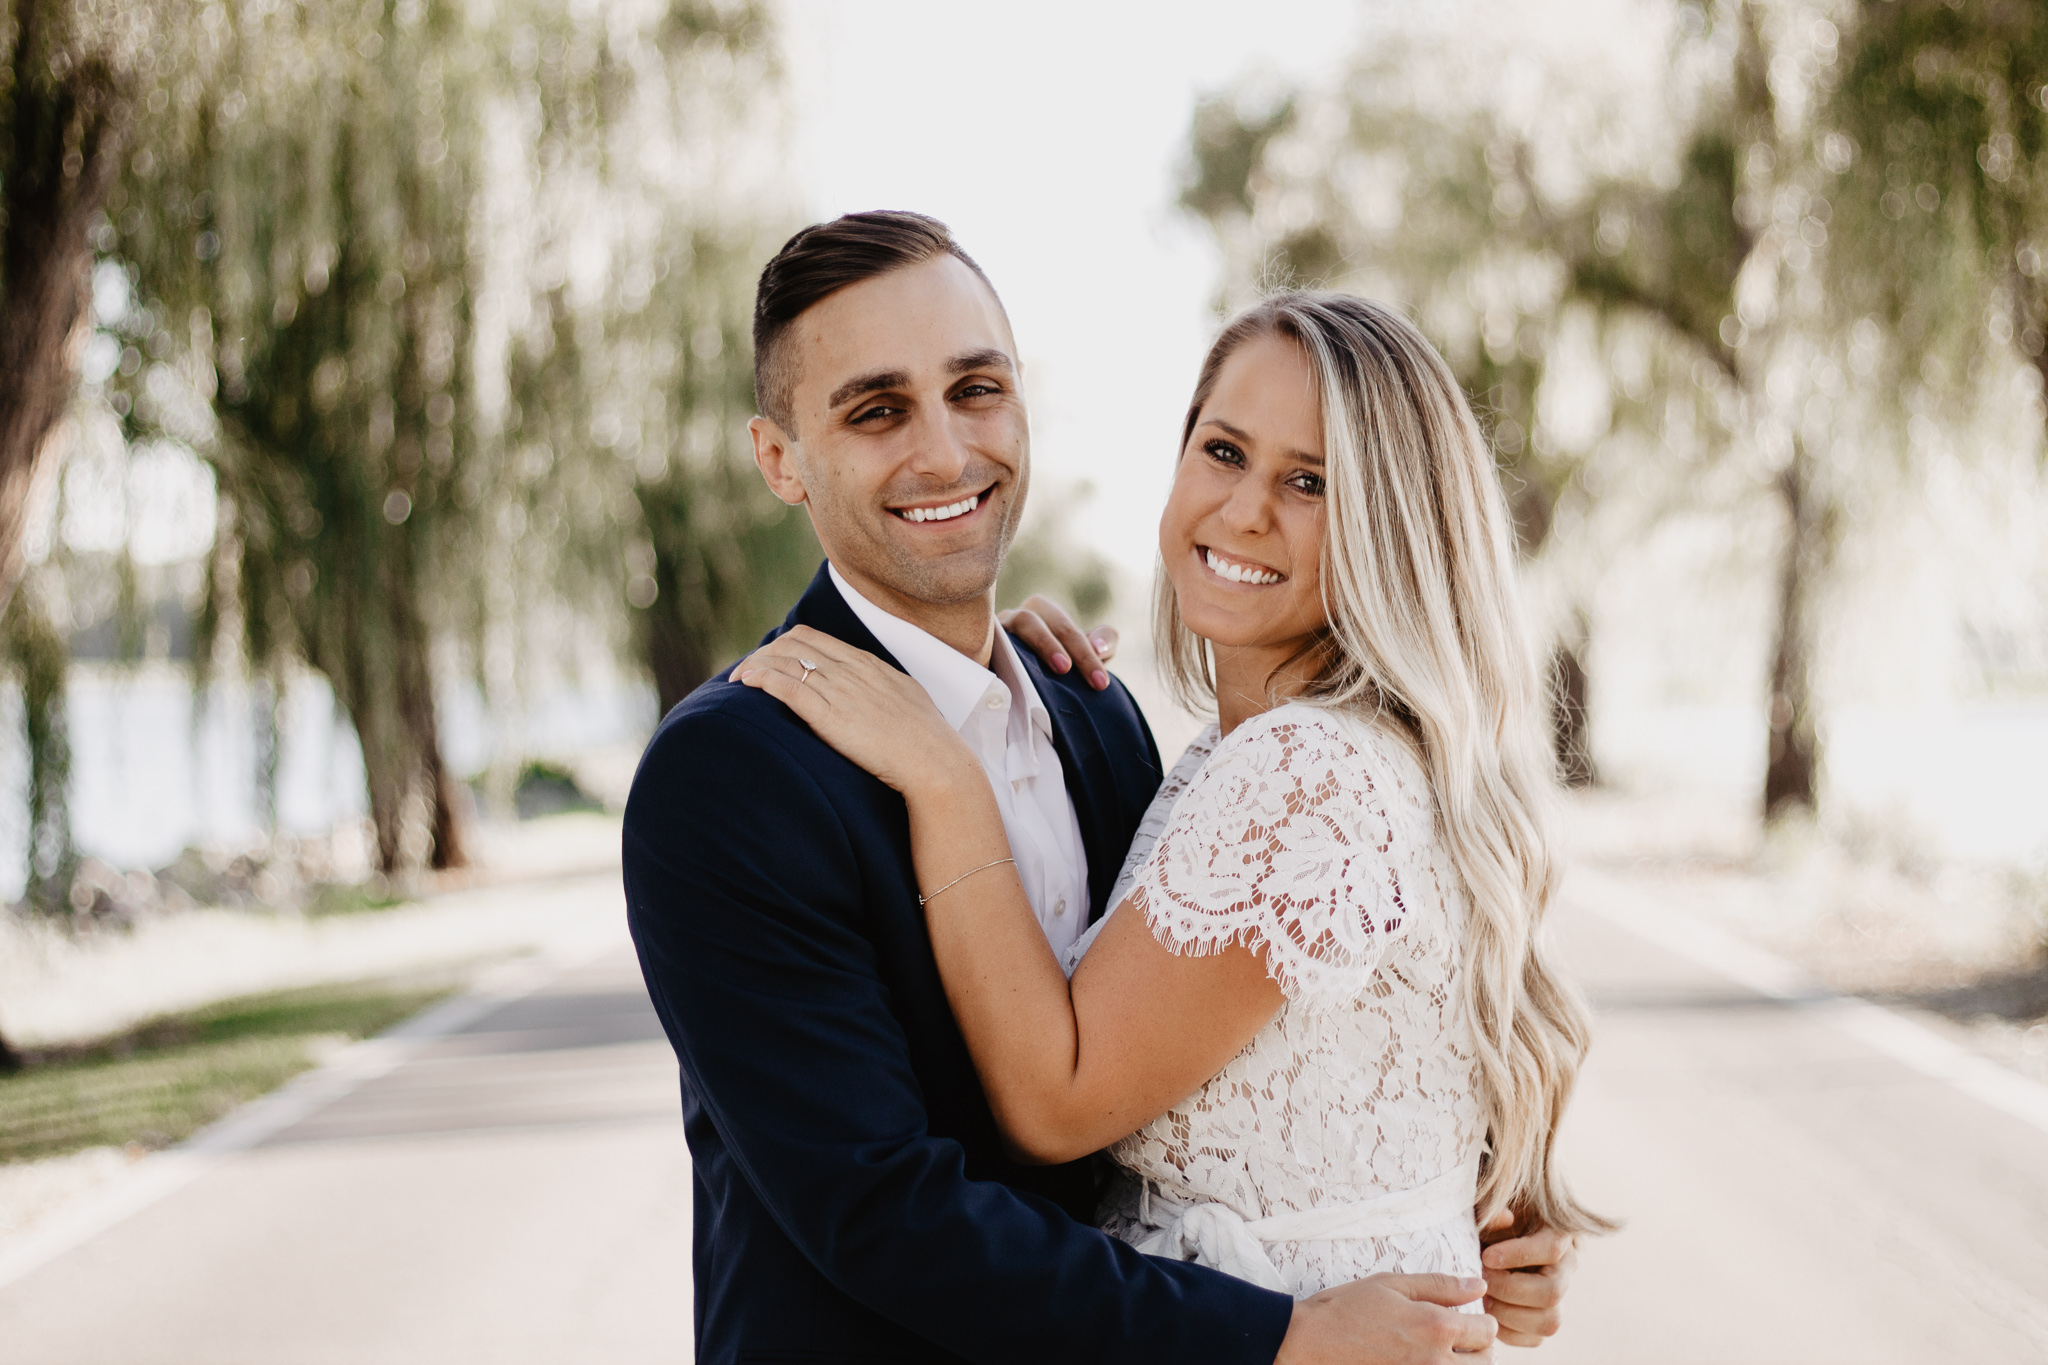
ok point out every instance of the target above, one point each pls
(1044, 626)
(1389, 1320)
(1526, 1278)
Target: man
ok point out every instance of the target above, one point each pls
(853, 1197)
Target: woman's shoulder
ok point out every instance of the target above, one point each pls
(1307, 736)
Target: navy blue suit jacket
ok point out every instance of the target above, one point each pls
(853, 1200)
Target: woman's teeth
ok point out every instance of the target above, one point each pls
(946, 513)
(1239, 573)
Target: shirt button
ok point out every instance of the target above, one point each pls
(1060, 908)
(995, 703)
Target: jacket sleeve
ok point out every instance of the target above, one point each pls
(743, 892)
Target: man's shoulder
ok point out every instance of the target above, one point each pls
(721, 731)
(1112, 712)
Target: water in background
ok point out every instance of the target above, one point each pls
(154, 770)
(153, 774)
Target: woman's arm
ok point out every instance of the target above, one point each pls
(1068, 1067)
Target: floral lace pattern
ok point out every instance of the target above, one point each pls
(1312, 836)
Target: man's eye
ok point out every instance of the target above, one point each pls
(1223, 452)
(977, 391)
(870, 414)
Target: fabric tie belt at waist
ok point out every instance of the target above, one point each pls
(1217, 1236)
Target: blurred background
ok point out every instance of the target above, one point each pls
(373, 473)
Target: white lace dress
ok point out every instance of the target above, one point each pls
(1344, 1139)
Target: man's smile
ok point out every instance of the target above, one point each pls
(926, 513)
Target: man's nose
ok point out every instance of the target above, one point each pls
(939, 446)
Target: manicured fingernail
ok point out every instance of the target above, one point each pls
(1099, 678)
(1061, 663)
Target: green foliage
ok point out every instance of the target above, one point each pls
(171, 1077)
(1394, 185)
(456, 303)
(1943, 114)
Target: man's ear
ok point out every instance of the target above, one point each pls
(775, 456)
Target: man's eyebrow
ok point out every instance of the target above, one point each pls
(872, 382)
(988, 358)
(1244, 437)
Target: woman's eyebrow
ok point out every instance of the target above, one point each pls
(1245, 438)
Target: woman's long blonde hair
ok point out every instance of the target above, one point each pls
(1425, 632)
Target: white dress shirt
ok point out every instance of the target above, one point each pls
(999, 713)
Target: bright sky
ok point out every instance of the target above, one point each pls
(1052, 145)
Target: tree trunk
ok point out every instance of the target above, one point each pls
(66, 121)
(671, 642)
(382, 676)
(1570, 724)
(436, 785)
(67, 118)
(1792, 772)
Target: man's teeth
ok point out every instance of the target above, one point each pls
(1240, 573)
(946, 513)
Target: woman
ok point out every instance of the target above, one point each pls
(1318, 1030)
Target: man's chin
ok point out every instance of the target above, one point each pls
(942, 580)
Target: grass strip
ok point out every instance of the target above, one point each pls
(167, 1079)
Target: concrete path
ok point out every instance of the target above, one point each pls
(1793, 1195)
(517, 1191)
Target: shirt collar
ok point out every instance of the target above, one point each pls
(956, 683)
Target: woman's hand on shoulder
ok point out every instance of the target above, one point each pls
(1044, 626)
(876, 715)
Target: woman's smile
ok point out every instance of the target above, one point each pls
(1237, 570)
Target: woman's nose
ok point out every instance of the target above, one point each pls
(1249, 510)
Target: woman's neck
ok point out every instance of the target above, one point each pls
(1255, 679)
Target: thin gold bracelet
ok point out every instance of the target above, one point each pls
(923, 900)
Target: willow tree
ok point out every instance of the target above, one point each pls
(1944, 109)
(298, 214)
(1702, 256)
(425, 267)
(1411, 182)
(630, 370)
(63, 113)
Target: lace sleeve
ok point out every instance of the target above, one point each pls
(1300, 837)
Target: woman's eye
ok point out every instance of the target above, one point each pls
(1224, 453)
(1311, 484)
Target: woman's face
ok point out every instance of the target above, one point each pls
(1242, 537)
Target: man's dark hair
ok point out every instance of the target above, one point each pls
(823, 259)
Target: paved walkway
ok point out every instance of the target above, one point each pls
(517, 1192)
(1793, 1195)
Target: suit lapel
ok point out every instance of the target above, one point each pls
(823, 609)
(1091, 781)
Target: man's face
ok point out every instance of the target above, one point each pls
(911, 444)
